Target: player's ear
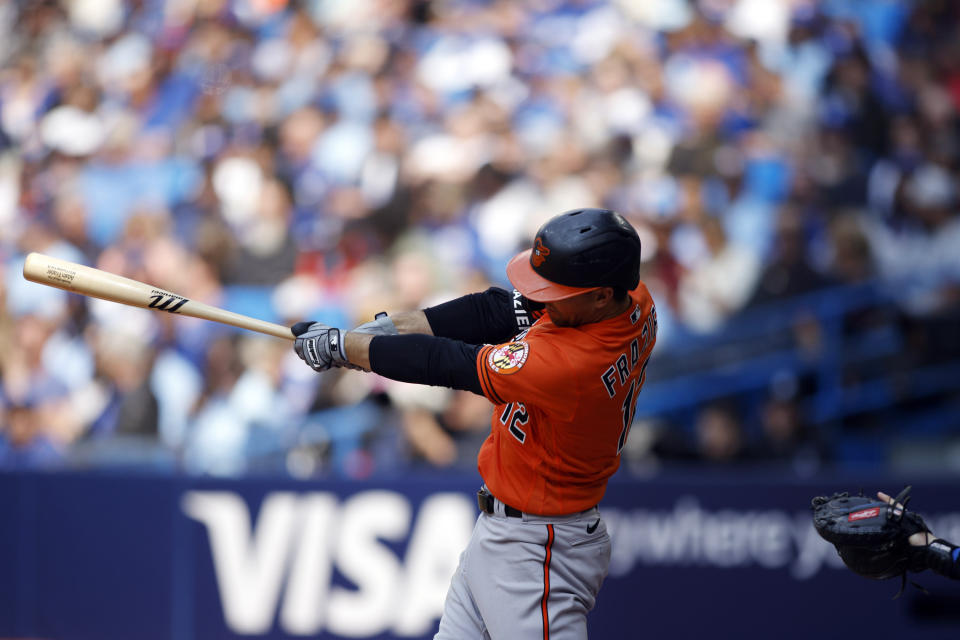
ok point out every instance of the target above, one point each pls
(603, 296)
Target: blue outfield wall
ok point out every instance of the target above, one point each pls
(101, 556)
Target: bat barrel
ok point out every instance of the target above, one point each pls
(97, 283)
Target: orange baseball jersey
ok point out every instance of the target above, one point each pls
(565, 398)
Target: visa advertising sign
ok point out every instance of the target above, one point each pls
(106, 556)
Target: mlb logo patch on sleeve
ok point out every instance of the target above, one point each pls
(508, 358)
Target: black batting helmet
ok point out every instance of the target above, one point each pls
(576, 252)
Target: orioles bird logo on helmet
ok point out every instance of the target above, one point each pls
(539, 254)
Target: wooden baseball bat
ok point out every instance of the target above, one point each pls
(88, 281)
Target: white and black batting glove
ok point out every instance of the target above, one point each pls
(319, 345)
(381, 325)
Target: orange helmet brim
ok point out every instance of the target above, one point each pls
(534, 286)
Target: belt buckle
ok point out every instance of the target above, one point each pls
(485, 501)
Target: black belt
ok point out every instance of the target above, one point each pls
(485, 501)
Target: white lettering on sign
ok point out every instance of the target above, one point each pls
(441, 533)
(309, 581)
(364, 561)
(689, 535)
(249, 564)
(299, 539)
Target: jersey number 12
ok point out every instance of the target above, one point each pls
(514, 419)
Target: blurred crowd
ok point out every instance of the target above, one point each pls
(329, 160)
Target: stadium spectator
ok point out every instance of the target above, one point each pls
(717, 438)
(790, 272)
(786, 437)
(719, 284)
(287, 159)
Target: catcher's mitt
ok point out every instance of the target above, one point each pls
(871, 536)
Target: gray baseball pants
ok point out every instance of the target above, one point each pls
(527, 578)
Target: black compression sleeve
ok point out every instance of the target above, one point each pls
(477, 318)
(490, 317)
(422, 359)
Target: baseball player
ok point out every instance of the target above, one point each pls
(563, 359)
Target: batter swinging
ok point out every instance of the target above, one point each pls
(563, 359)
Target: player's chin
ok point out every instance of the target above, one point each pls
(557, 319)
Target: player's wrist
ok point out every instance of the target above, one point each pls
(356, 348)
(942, 557)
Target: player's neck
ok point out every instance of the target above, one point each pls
(618, 307)
(614, 309)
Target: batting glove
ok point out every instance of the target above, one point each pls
(381, 325)
(319, 345)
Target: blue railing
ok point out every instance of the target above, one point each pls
(848, 331)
